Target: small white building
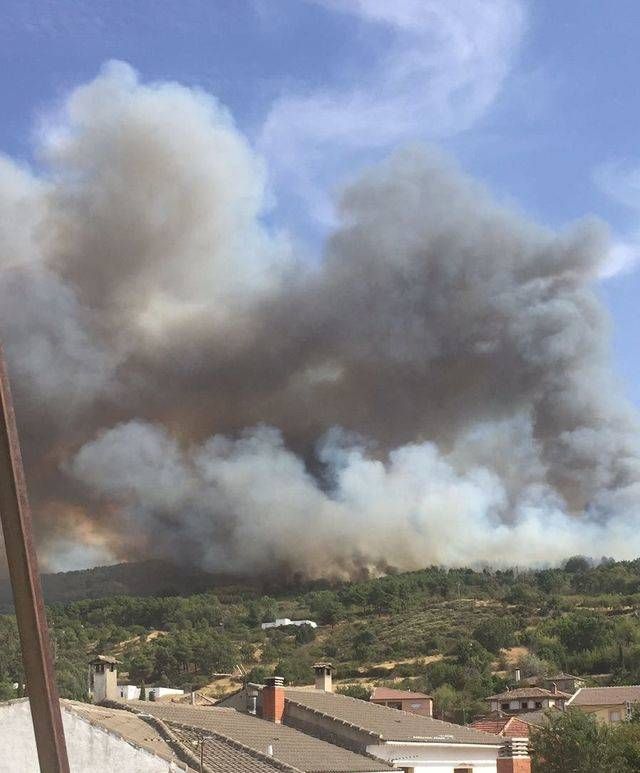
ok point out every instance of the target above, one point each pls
(129, 692)
(282, 622)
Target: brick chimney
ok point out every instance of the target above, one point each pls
(514, 765)
(323, 673)
(514, 756)
(273, 699)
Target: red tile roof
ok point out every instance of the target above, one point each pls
(511, 727)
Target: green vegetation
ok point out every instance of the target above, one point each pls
(573, 742)
(446, 632)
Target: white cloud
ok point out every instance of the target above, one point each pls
(441, 67)
(621, 182)
(623, 257)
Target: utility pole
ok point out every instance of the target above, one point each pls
(35, 643)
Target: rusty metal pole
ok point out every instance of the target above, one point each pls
(27, 592)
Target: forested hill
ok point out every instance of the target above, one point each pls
(144, 578)
(456, 633)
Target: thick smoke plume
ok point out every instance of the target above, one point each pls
(438, 388)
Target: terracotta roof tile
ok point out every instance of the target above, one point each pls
(221, 756)
(512, 727)
(290, 746)
(383, 722)
(527, 692)
(603, 696)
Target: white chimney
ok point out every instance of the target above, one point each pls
(104, 677)
(323, 673)
(516, 675)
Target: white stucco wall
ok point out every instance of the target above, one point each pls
(129, 692)
(90, 749)
(437, 759)
(162, 692)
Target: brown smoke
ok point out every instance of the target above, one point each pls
(437, 389)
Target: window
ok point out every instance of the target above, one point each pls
(614, 716)
(504, 706)
(538, 704)
(524, 704)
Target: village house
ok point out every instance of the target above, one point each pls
(283, 744)
(408, 741)
(405, 700)
(607, 704)
(524, 699)
(563, 682)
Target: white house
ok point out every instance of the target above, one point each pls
(407, 741)
(523, 699)
(282, 622)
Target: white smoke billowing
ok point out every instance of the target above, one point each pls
(437, 389)
(250, 505)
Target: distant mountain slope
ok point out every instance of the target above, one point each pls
(144, 578)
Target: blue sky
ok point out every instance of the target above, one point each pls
(537, 99)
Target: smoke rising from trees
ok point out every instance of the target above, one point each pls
(437, 388)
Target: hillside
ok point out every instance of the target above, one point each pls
(456, 633)
(143, 578)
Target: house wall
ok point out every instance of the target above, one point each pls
(517, 705)
(129, 692)
(325, 728)
(604, 713)
(421, 706)
(239, 701)
(443, 759)
(91, 749)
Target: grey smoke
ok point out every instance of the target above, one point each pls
(438, 388)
